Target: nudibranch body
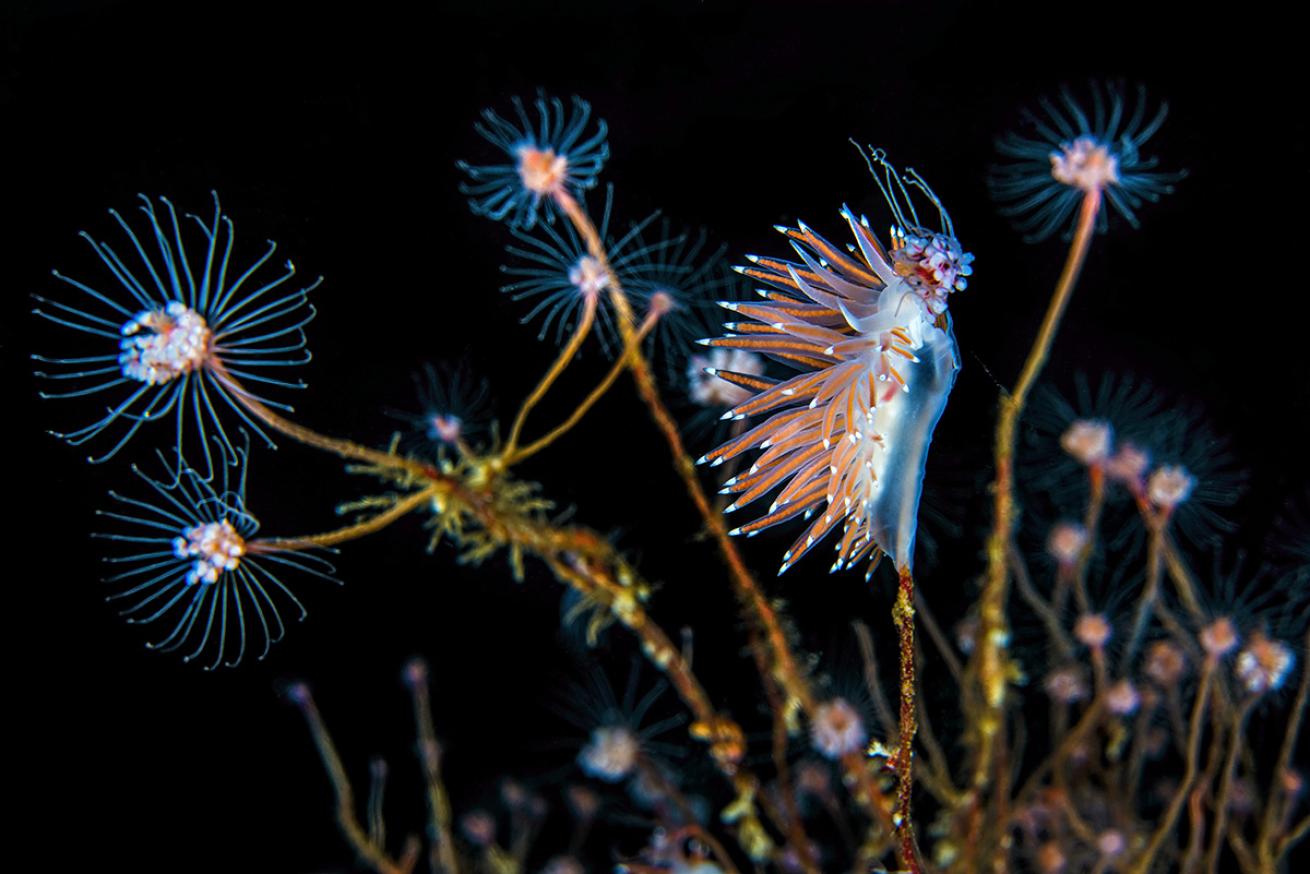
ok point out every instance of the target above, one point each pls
(847, 437)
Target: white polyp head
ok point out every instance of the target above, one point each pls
(215, 546)
(160, 345)
(1065, 543)
(711, 391)
(1111, 843)
(541, 170)
(298, 693)
(837, 729)
(611, 754)
(1292, 782)
(1085, 164)
(1088, 440)
(1263, 664)
(583, 801)
(1165, 663)
(1066, 685)
(1219, 638)
(1092, 630)
(1128, 465)
(445, 428)
(661, 302)
(589, 276)
(1122, 698)
(416, 672)
(1169, 486)
(479, 827)
(514, 794)
(1050, 858)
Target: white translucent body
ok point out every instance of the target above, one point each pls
(894, 447)
(908, 423)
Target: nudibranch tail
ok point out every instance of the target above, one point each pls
(867, 327)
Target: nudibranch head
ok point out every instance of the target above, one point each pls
(867, 328)
(935, 265)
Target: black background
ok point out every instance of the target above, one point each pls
(336, 134)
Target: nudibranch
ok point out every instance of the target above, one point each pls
(847, 437)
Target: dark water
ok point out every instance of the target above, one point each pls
(337, 134)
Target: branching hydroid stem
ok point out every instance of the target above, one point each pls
(401, 507)
(992, 668)
(788, 674)
(365, 849)
(515, 456)
(561, 363)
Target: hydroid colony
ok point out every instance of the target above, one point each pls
(835, 373)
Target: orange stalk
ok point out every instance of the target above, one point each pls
(992, 666)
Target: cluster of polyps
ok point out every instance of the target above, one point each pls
(1263, 664)
(1091, 442)
(215, 546)
(837, 729)
(542, 171)
(158, 346)
(611, 754)
(1085, 164)
(590, 276)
